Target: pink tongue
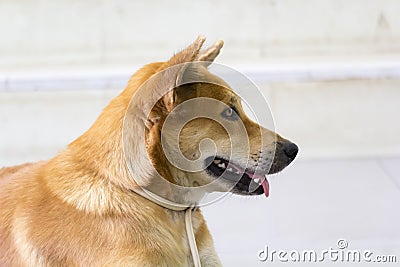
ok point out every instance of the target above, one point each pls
(262, 178)
(264, 182)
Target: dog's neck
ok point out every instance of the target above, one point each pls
(109, 168)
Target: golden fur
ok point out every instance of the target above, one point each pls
(78, 209)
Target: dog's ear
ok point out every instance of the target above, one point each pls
(181, 69)
(191, 71)
(211, 53)
(163, 86)
(188, 54)
(184, 61)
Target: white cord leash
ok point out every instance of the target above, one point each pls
(165, 203)
(191, 238)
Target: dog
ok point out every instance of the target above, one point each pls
(81, 208)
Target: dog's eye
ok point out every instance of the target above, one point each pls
(230, 114)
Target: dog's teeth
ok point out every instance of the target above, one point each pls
(222, 165)
(237, 172)
(217, 161)
(257, 180)
(230, 169)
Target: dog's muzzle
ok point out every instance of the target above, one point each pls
(285, 153)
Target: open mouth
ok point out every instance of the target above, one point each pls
(246, 181)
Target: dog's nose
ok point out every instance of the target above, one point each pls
(290, 150)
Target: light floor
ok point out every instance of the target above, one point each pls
(312, 205)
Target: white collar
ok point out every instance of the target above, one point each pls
(165, 203)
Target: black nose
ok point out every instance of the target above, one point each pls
(290, 150)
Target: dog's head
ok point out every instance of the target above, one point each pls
(197, 133)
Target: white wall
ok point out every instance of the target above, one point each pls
(47, 33)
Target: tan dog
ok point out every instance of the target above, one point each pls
(80, 208)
